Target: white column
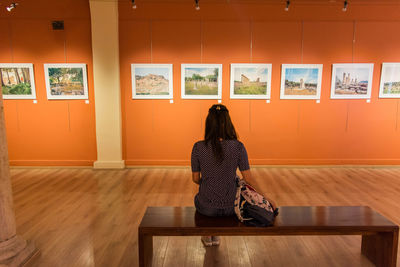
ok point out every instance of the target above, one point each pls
(14, 250)
(105, 47)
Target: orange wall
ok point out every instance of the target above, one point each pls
(56, 132)
(284, 131)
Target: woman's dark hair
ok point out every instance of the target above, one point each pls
(219, 126)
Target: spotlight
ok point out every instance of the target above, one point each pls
(133, 4)
(12, 6)
(287, 5)
(345, 6)
(197, 5)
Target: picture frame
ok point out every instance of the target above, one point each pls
(351, 80)
(152, 81)
(301, 81)
(250, 81)
(201, 81)
(390, 81)
(17, 80)
(66, 81)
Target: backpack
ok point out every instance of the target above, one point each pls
(252, 208)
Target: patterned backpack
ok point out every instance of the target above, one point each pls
(252, 208)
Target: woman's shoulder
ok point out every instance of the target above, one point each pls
(199, 143)
(235, 142)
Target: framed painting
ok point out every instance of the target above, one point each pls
(301, 81)
(152, 81)
(66, 81)
(390, 81)
(351, 81)
(251, 81)
(201, 81)
(17, 81)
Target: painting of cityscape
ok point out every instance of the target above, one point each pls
(66, 81)
(351, 81)
(201, 81)
(251, 81)
(390, 81)
(301, 81)
(152, 81)
(17, 81)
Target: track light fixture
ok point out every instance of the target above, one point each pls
(11, 6)
(345, 4)
(287, 5)
(197, 4)
(133, 4)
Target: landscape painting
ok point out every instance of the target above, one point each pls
(201, 81)
(66, 81)
(17, 81)
(351, 81)
(390, 81)
(152, 81)
(251, 81)
(301, 81)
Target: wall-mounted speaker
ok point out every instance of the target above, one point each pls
(58, 25)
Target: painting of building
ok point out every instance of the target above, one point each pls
(390, 81)
(250, 81)
(152, 81)
(301, 81)
(351, 80)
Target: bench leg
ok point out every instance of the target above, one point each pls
(145, 250)
(381, 248)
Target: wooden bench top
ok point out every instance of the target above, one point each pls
(292, 220)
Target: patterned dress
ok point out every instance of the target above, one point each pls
(217, 190)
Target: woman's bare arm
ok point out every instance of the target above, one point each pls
(196, 177)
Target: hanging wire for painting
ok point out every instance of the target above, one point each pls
(151, 41)
(298, 117)
(354, 42)
(69, 117)
(66, 61)
(397, 114)
(249, 115)
(11, 42)
(352, 61)
(302, 40)
(251, 61)
(347, 116)
(17, 112)
(65, 47)
(201, 41)
(251, 41)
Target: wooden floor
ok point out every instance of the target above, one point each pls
(84, 217)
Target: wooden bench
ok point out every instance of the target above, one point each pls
(379, 235)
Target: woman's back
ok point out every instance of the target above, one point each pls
(218, 178)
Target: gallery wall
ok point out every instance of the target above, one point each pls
(157, 132)
(49, 132)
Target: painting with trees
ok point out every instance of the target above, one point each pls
(301, 81)
(251, 81)
(390, 81)
(66, 81)
(201, 81)
(17, 81)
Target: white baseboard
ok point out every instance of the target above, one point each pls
(119, 164)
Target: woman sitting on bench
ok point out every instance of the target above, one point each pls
(214, 163)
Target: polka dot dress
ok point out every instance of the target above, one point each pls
(218, 180)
